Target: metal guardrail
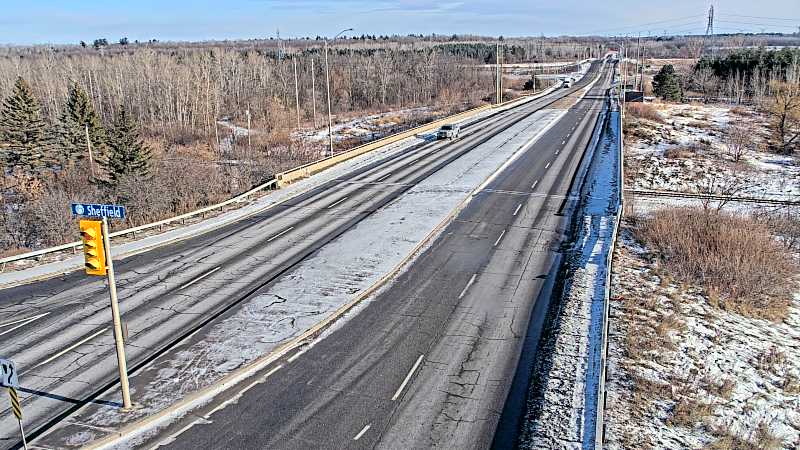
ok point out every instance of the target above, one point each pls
(715, 197)
(601, 387)
(75, 245)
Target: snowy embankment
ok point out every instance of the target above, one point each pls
(567, 390)
(685, 150)
(682, 372)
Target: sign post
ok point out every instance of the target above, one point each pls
(9, 379)
(104, 212)
(112, 288)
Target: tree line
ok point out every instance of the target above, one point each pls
(153, 120)
(32, 147)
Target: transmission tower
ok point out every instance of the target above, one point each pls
(710, 29)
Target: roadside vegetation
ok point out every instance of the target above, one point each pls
(705, 312)
(737, 260)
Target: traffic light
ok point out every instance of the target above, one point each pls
(95, 257)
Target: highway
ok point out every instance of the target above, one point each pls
(58, 330)
(443, 342)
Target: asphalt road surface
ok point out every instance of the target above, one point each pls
(428, 363)
(58, 330)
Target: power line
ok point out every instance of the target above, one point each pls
(643, 25)
(761, 17)
(765, 25)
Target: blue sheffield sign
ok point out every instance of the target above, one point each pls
(98, 211)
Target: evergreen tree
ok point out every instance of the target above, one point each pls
(78, 115)
(667, 85)
(26, 142)
(126, 153)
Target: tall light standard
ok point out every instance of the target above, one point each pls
(328, 83)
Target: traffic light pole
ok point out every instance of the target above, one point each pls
(112, 288)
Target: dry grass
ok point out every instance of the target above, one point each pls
(679, 152)
(741, 111)
(762, 438)
(689, 413)
(734, 256)
(644, 111)
(770, 361)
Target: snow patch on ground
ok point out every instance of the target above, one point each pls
(684, 374)
(688, 153)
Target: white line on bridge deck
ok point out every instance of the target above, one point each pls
(408, 377)
(517, 210)
(70, 348)
(280, 234)
(533, 186)
(547, 166)
(362, 432)
(466, 288)
(21, 322)
(200, 277)
(499, 238)
(336, 203)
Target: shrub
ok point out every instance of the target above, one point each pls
(644, 111)
(735, 256)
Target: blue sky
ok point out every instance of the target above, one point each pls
(69, 21)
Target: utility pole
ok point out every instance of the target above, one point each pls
(328, 90)
(638, 54)
(89, 148)
(296, 92)
(641, 73)
(247, 113)
(497, 74)
(313, 93)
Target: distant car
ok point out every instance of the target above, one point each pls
(449, 131)
(567, 83)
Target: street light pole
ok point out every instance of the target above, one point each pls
(328, 91)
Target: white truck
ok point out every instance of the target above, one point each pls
(448, 131)
(567, 83)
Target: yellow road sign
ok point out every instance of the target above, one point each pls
(15, 403)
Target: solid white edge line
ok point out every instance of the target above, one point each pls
(200, 277)
(362, 432)
(337, 202)
(469, 283)
(239, 394)
(517, 210)
(499, 238)
(68, 349)
(408, 377)
(280, 234)
(24, 322)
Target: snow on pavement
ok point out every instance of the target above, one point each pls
(564, 412)
(317, 287)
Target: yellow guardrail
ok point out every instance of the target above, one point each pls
(290, 176)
